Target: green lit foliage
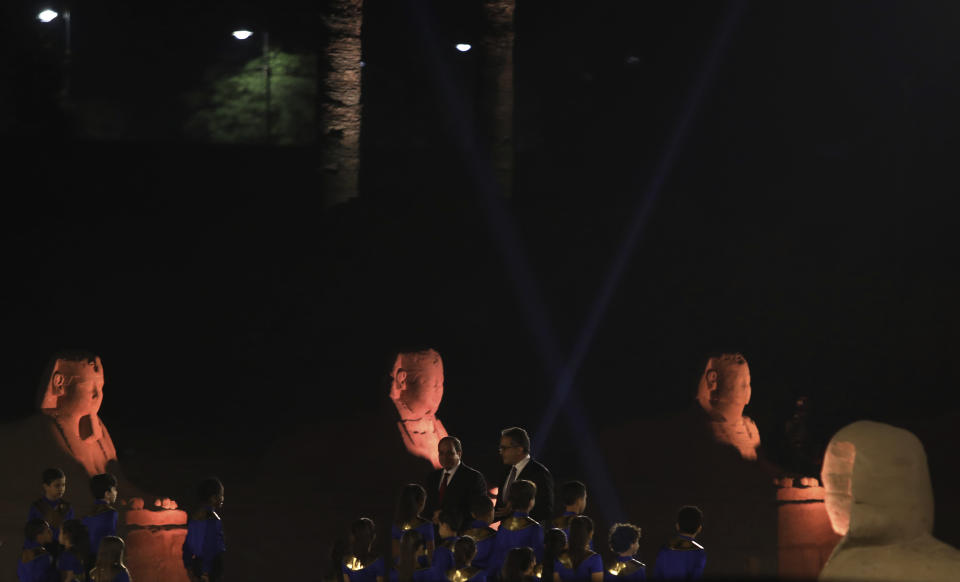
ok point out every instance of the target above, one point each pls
(231, 107)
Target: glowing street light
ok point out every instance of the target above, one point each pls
(244, 34)
(47, 15)
(464, 47)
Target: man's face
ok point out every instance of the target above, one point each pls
(510, 452)
(55, 489)
(111, 496)
(449, 457)
(837, 476)
(82, 388)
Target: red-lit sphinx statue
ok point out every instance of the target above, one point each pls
(68, 433)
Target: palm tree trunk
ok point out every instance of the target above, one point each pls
(497, 89)
(340, 109)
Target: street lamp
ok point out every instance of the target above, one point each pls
(47, 16)
(463, 47)
(244, 34)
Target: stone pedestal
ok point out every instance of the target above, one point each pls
(805, 538)
(154, 545)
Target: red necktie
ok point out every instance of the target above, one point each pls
(443, 486)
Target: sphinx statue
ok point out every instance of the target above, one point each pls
(416, 389)
(723, 393)
(68, 433)
(879, 498)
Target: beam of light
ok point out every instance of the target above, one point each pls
(504, 233)
(242, 34)
(47, 15)
(464, 47)
(639, 219)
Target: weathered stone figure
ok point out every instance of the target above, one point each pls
(416, 389)
(67, 433)
(724, 392)
(879, 497)
(72, 400)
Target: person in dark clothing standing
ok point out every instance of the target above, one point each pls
(515, 453)
(455, 485)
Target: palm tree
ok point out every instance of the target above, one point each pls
(497, 88)
(340, 108)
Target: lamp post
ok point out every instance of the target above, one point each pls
(46, 16)
(244, 35)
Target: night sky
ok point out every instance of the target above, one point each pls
(806, 218)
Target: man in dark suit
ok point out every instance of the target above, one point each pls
(454, 486)
(515, 452)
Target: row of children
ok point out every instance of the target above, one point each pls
(520, 549)
(60, 548)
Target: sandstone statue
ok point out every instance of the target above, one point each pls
(416, 389)
(68, 433)
(879, 498)
(723, 393)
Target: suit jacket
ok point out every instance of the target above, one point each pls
(467, 484)
(541, 477)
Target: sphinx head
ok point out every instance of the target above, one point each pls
(724, 388)
(877, 483)
(73, 386)
(416, 383)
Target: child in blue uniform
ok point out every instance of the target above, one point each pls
(481, 509)
(443, 558)
(682, 558)
(519, 564)
(102, 520)
(52, 507)
(580, 563)
(412, 564)
(204, 547)
(36, 563)
(519, 530)
(110, 565)
(625, 542)
(554, 545)
(573, 494)
(413, 499)
(363, 565)
(73, 559)
(463, 571)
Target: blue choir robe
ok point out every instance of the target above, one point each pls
(516, 531)
(625, 569)
(581, 573)
(68, 561)
(467, 574)
(36, 564)
(680, 559)
(418, 523)
(101, 522)
(52, 511)
(443, 559)
(367, 570)
(204, 547)
(563, 523)
(486, 538)
(424, 573)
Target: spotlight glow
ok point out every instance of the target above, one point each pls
(242, 34)
(463, 47)
(47, 15)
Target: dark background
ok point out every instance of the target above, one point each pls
(806, 220)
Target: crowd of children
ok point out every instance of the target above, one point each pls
(519, 550)
(60, 548)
